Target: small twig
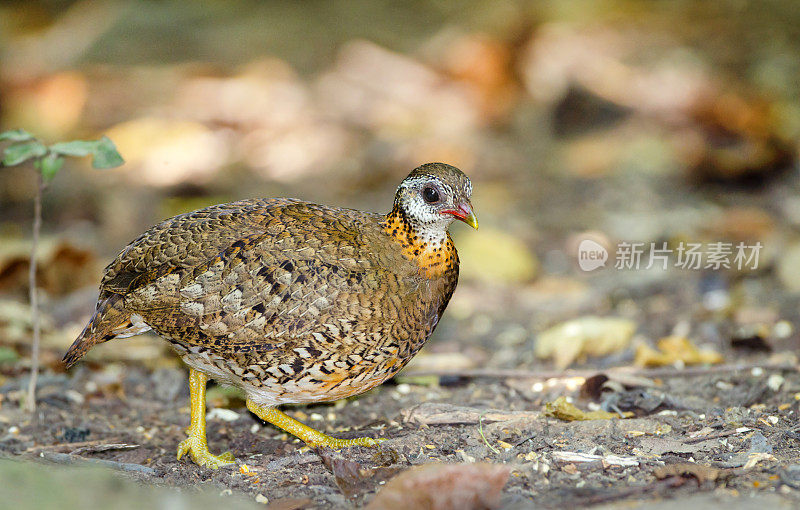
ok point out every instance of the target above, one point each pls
(700, 439)
(103, 448)
(30, 403)
(66, 458)
(480, 430)
(65, 446)
(663, 373)
(656, 486)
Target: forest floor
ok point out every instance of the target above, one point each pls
(714, 435)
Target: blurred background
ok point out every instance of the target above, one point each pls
(609, 120)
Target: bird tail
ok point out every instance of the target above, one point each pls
(110, 320)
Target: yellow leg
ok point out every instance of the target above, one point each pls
(311, 437)
(195, 445)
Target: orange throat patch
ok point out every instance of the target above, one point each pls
(432, 257)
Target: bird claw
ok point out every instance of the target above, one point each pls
(198, 451)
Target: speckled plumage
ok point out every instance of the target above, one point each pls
(291, 301)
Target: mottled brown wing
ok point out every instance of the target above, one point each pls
(289, 271)
(186, 241)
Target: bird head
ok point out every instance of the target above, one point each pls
(435, 194)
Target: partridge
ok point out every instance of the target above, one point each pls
(291, 301)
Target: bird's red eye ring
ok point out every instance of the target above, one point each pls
(430, 195)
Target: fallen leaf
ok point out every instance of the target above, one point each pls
(436, 413)
(639, 400)
(352, 478)
(191, 150)
(496, 257)
(563, 410)
(62, 266)
(688, 469)
(601, 384)
(600, 460)
(658, 446)
(570, 469)
(672, 350)
(754, 342)
(444, 487)
(586, 336)
(289, 504)
(755, 458)
(593, 386)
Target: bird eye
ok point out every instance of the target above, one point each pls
(430, 195)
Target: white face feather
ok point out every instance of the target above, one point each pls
(427, 218)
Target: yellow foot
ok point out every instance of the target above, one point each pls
(195, 445)
(326, 441)
(311, 437)
(197, 448)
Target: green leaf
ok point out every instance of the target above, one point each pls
(49, 166)
(77, 148)
(106, 155)
(21, 152)
(15, 135)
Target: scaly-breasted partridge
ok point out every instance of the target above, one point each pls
(292, 302)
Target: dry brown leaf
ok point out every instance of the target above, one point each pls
(440, 413)
(444, 487)
(675, 349)
(684, 469)
(563, 410)
(290, 504)
(351, 477)
(586, 336)
(62, 266)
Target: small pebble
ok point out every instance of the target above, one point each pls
(783, 329)
(403, 389)
(757, 372)
(222, 414)
(74, 396)
(717, 299)
(316, 417)
(775, 381)
(260, 498)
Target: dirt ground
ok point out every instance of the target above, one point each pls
(722, 434)
(723, 421)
